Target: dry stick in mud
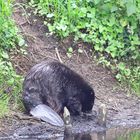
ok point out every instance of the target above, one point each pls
(58, 55)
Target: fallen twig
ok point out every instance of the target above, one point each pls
(58, 55)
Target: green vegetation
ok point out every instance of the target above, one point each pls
(131, 136)
(111, 26)
(10, 82)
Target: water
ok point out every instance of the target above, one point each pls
(111, 134)
(107, 135)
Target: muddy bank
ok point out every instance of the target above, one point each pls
(40, 131)
(123, 109)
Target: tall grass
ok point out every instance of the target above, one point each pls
(10, 82)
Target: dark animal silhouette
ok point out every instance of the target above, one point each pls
(56, 85)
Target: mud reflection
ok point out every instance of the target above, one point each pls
(112, 134)
(91, 136)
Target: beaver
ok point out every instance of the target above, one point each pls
(57, 86)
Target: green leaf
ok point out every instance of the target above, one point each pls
(127, 72)
(11, 81)
(112, 21)
(131, 8)
(107, 1)
(119, 76)
(123, 22)
(114, 8)
(92, 13)
(111, 49)
(121, 66)
(5, 55)
(70, 50)
(96, 47)
(113, 54)
(96, 1)
(101, 28)
(21, 42)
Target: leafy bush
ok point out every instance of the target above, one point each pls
(10, 82)
(112, 26)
